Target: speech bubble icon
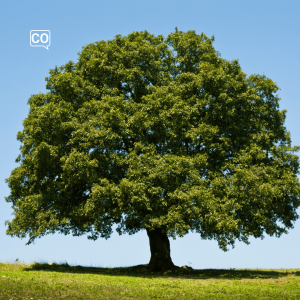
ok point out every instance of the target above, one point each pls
(40, 38)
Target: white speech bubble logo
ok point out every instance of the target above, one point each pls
(40, 38)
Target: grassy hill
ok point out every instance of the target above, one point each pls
(61, 281)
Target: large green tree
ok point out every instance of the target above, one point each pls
(159, 134)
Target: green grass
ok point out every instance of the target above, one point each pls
(61, 281)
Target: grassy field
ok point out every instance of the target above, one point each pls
(61, 281)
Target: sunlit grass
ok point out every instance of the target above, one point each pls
(43, 280)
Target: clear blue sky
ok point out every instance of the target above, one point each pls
(263, 35)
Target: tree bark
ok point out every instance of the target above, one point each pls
(160, 251)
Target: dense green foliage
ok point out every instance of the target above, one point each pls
(150, 132)
(43, 281)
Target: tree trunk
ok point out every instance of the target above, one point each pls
(160, 251)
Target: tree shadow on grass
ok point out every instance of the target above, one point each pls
(177, 273)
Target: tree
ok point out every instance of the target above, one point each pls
(159, 134)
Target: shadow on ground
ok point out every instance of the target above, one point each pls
(178, 272)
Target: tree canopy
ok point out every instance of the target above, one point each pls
(155, 133)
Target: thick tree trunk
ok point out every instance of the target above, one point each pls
(160, 251)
